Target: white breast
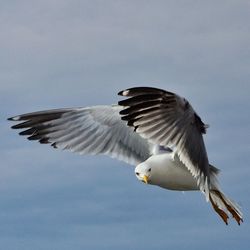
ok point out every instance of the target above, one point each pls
(168, 172)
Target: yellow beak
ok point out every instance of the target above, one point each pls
(145, 179)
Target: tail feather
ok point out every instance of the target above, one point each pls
(223, 205)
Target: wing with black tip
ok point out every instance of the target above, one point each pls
(167, 119)
(92, 130)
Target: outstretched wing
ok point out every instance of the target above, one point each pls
(91, 130)
(168, 119)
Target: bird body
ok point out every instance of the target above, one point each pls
(168, 172)
(155, 130)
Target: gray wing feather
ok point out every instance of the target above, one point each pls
(167, 119)
(91, 130)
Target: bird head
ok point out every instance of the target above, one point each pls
(143, 172)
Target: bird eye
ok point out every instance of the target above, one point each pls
(137, 173)
(149, 170)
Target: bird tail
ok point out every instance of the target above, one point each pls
(221, 203)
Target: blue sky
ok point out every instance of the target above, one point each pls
(81, 53)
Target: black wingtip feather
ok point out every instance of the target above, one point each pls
(34, 137)
(121, 92)
(21, 125)
(123, 112)
(17, 126)
(143, 90)
(44, 140)
(30, 131)
(141, 98)
(14, 118)
(120, 103)
(130, 123)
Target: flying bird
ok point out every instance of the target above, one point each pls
(155, 130)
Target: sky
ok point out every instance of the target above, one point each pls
(58, 53)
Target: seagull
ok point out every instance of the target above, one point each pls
(155, 130)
